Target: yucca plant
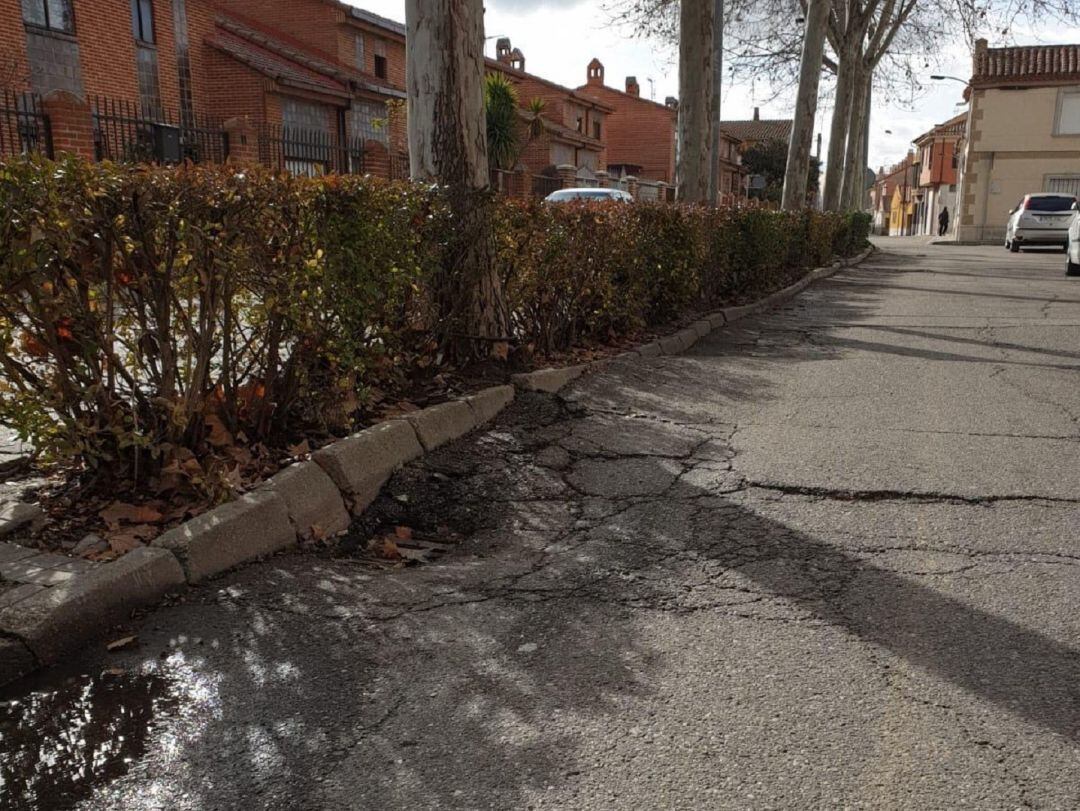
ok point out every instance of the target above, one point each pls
(501, 106)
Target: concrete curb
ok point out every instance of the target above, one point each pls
(554, 380)
(63, 618)
(255, 525)
(303, 500)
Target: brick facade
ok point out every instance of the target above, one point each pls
(640, 132)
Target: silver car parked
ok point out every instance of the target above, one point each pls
(1040, 220)
(588, 193)
(1072, 250)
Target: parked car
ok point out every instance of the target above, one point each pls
(1072, 250)
(1040, 220)
(588, 193)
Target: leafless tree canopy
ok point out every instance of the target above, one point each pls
(763, 38)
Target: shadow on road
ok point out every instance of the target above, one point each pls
(473, 682)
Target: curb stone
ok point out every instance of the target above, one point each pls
(61, 618)
(549, 380)
(255, 525)
(487, 403)
(684, 339)
(436, 425)
(17, 516)
(312, 499)
(360, 464)
(39, 629)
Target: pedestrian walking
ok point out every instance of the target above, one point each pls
(943, 221)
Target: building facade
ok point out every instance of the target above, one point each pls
(938, 159)
(200, 79)
(642, 135)
(1023, 133)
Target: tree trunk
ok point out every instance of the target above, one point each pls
(834, 167)
(855, 158)
(694, 149)
(797, 170)
(448, 145)
(718, 82)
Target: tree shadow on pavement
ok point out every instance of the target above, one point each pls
(509, 667)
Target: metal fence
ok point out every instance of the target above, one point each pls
(23, 126)
(543, 185)
(312, 153)
(129, 132)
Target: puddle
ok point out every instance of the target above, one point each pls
(56, 745)
(62, 737)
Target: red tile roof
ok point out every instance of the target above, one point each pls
(1037, 64)
(765, 129)
(953, 127)
(276, 66)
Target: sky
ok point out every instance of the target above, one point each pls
(560, 37)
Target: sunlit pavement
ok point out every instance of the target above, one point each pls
(826, 559)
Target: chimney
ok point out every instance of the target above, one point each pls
(757, 114)
(671, 102)
(503, 50)
(632, 88)
(517, 60)
(596, 73)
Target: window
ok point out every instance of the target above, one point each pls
(380, 67)
(56, 15)
(596, 130)
(142, 20)
(580, 124)
(1064, 184)
(1068, 112)
(359, 52)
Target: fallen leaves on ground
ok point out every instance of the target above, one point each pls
(122, 643)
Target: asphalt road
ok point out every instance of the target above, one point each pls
(827, 559)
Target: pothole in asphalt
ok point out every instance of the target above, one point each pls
(623, 478)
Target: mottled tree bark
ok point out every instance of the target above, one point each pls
(838, 134)
(718, 82)
(448, 145)
(694, 149)
(802, 131)
(855, 157)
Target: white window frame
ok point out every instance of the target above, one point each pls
(1063, 94)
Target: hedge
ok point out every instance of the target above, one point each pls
(152, 320)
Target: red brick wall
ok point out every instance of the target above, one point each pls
(107, 49)
(310, 21)
(13, 68)
(392, 47)
(639, 132)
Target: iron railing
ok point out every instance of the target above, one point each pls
(312, 153)
(24, 127)
(129, 132)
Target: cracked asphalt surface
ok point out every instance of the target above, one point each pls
(826, 559)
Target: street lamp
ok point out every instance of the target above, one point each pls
(939, 78)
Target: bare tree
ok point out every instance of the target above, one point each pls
(694, 152)
(802, 129)
(718, 81)
(448, 145)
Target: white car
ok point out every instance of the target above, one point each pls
(1040, 220)
(1072, 251)
(588, 193)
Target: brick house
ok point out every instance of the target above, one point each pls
(573, 125)
(1023, 133)
(883, 194)
(641, 135)
(937, 159)
(758, 130)
(166, 89)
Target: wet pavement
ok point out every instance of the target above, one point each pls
(826, 559)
